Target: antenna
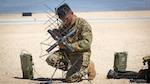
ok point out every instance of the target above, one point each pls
(57, 37)
(53, 22)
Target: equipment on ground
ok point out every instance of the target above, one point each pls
(26, 65)
(144, 74)
(120, 64)
(120, 61)
(121, 74)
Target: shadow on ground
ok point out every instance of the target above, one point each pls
(47, 80)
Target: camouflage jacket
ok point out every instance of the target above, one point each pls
(81, 40)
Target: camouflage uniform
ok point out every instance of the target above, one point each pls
(80, 41)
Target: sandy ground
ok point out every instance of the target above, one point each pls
(110, 35)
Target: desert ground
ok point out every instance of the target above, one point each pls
(113, 31)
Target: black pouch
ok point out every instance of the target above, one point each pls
(121, 74)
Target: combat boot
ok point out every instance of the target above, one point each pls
(91, 70)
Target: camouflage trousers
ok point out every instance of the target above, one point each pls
(74, 65)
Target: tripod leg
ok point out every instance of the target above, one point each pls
(52, 76)
(54, 72)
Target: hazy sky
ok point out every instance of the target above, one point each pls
(77, 5)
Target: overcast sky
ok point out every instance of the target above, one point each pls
(7, 6)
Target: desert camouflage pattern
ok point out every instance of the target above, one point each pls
(80, 41)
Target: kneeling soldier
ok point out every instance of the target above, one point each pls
(77, 63)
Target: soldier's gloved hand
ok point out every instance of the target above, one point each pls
(61, 46)
(57, 32)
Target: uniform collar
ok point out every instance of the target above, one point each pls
(73, 20)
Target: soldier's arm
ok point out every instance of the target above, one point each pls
(85, 42)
